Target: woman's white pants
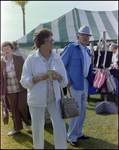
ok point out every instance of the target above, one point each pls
(59, 128)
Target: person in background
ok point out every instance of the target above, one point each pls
(47, 117)
(11, 88)
(42, 92)
(114, 67)
(35, 48)
(79, 65)
(18, 51)
(114, 49)
(118, 43)
(118, 55)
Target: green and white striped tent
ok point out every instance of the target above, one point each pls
(65, 27)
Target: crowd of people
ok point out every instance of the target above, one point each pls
(32, 96)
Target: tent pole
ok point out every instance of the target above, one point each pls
(56, 49)
(76, 19)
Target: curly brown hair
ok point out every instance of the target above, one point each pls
(7, 43)
(40, 35)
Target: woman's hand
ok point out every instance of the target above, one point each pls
(3, 99)
(2, 96)
(41, 77)
(57, 77)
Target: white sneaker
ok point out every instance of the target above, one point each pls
(13, 132)
(27, 128)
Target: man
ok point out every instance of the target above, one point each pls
(18, 51)
(79, 65)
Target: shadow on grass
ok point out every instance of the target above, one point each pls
(67, 126)
(27, 141)
(48, 145)
(49, 128)
(92, 143)
(94, 100)
(95, 143)
(24, 139)
(91, 103)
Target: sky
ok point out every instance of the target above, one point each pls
(37, 12)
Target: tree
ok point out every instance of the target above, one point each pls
(22, 5)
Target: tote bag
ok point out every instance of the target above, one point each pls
(69, 107)
(99, 80)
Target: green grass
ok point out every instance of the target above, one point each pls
(101, 128)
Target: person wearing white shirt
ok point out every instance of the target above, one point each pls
(44, 93)
(47, 115)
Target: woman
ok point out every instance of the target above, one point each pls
(47, 115)
(11, 88)
(42, 92)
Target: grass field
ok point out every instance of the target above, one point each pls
(101, 128)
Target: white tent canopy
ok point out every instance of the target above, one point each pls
(65, 27)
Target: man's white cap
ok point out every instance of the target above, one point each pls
(84, 30)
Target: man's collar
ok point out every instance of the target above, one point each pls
(78, 44)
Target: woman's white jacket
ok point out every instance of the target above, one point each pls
(34, 66)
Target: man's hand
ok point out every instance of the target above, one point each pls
(69, 84)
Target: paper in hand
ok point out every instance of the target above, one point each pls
(51, 73)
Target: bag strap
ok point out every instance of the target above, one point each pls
(62, 93)
(108, 72)
(69, 92)
(99, 54)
